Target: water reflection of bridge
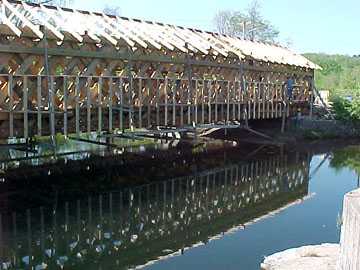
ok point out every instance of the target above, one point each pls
(127, 228)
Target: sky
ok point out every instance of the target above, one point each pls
(327, 26)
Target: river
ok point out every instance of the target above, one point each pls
(220, 213)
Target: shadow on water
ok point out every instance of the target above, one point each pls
(112, 225)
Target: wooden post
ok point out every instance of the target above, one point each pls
(209, 101)
(203, 89)
(227, 102)
(121, 111)
(88, 104)
(216, 102)
(100, 121)
(131, 91)
(349, 258)
(111, 104)
(25, 107)
(39, 104)
(283, 121)
(174, 90)
(157, 102)
(312, 86)
(196, 102)
(77, 106)
(166, 102)
(52, 107)
(140, 102)
(65, 104)
(190, 89)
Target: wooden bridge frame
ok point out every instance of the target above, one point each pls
(63, 81)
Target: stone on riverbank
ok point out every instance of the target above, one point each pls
(321, 257)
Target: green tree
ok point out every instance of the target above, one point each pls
(249, 24)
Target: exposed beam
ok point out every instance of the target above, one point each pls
(143, 58)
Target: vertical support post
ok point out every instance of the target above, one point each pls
(140, 102)
(131, 90)
(203, 102)
(121, 112)
(100, 120)
(25, 107)
(157, 102)
(209, 101)
(52, 107)
(190, 90)
(11, 105)
(149, 102)
(77, 106)
(88, 104)
(312, 86)
(216, 89)
(227, 102)
(110, 104)
(166, 101)
(174, 90)
(65, 104)
(181, 105)
(196, 102)
(39, 104)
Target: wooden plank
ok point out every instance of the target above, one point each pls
(116, 55)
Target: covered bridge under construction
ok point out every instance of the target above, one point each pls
(70, 71)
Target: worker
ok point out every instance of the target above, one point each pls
(290, 87)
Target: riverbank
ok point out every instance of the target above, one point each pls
(319, 257)
(326, 256)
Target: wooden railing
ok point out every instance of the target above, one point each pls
(46, 105)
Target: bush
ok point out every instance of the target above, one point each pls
(345, 109)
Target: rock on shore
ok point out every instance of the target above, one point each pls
(321, 257)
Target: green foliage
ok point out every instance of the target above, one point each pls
(348, 157)
(249, 24)
(346, 110)
(340, 73)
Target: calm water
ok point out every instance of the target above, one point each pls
(228, 216)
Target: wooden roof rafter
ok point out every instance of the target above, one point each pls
(94, 27)
(14, 12)
(46, 23)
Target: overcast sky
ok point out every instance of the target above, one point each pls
(330, 26)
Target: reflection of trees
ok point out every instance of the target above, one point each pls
(121, 229)
(348, 157)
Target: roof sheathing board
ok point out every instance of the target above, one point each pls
(138, 33)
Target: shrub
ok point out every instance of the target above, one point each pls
(345, 109)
